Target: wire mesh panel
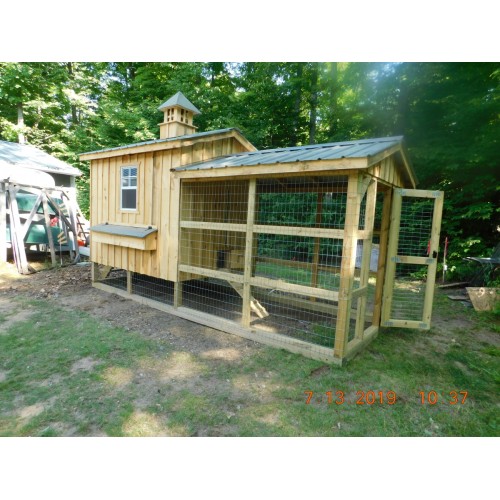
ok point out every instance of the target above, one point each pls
(409, 292)
(415, 227)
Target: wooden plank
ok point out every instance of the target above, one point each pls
(410, 259)
(3, 222)
(148, 189)
(213, 226)
(319, 353)
(403, 323)
(384, 232)
(392, 248)
(247, 267)
(284, 168)
(434, 249)
(168, 144)
(211, 273)
(147, 243)
(284, 286)
(173, 234)
(348, 267)
(300, 231)
(17, 243)
(48, 228)
(420, 193)
(359, 292)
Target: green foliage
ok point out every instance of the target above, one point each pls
(448, 113)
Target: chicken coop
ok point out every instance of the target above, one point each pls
(311, 248)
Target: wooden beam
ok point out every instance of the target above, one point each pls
(247, 267)
(48, 228)
(392, 249)
(129, 282)
(211, 273)
(384, 232)
(434, 249)
(178, 294)
(347, 267)
(15, 237)
(305, 168)
(168, 144)
(284, 286)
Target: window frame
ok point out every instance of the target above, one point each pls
(129, 188)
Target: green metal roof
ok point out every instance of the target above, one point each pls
(182, 101)
(331, 151)
(134, 232)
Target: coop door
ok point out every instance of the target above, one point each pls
(412, 256)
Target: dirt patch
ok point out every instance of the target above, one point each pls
(84, 365)
(11, 313)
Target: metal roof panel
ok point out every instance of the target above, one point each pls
(134, 232)
(27, 156)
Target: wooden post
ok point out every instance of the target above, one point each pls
(15, 233)
(347, 267)
(3, 222)
(392, 249)
(48, 228)
(129, 282)
(247, 272)
(94, 272)
(317, 244)
(371, 199)
(381, 267)
(177, 294)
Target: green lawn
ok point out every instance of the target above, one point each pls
(70, 373)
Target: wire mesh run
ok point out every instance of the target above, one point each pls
(409, 292)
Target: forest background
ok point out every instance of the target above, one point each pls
(447, 112)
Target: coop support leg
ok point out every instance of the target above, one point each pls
(129, 282)
(177, 294)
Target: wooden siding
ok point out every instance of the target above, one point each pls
(154, 192)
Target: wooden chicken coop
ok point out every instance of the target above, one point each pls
(309, 248)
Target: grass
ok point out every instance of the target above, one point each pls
(69, 373)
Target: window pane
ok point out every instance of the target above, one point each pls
(133, 172)
(125, 182)
(129, 198)
(125, 172)
(133, 181)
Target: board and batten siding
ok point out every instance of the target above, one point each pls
(154, 204)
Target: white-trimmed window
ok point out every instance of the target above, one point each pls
(129, 188)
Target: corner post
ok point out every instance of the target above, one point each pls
(347, 267)
(252, 189)
(3, 222)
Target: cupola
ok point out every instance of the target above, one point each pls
(178, 114)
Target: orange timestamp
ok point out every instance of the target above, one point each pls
(362, 397)
(431, 397)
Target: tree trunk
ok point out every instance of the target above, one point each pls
(20, 123)
(333, 104)
(74, 114)
(296, 105)
(313, 104)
